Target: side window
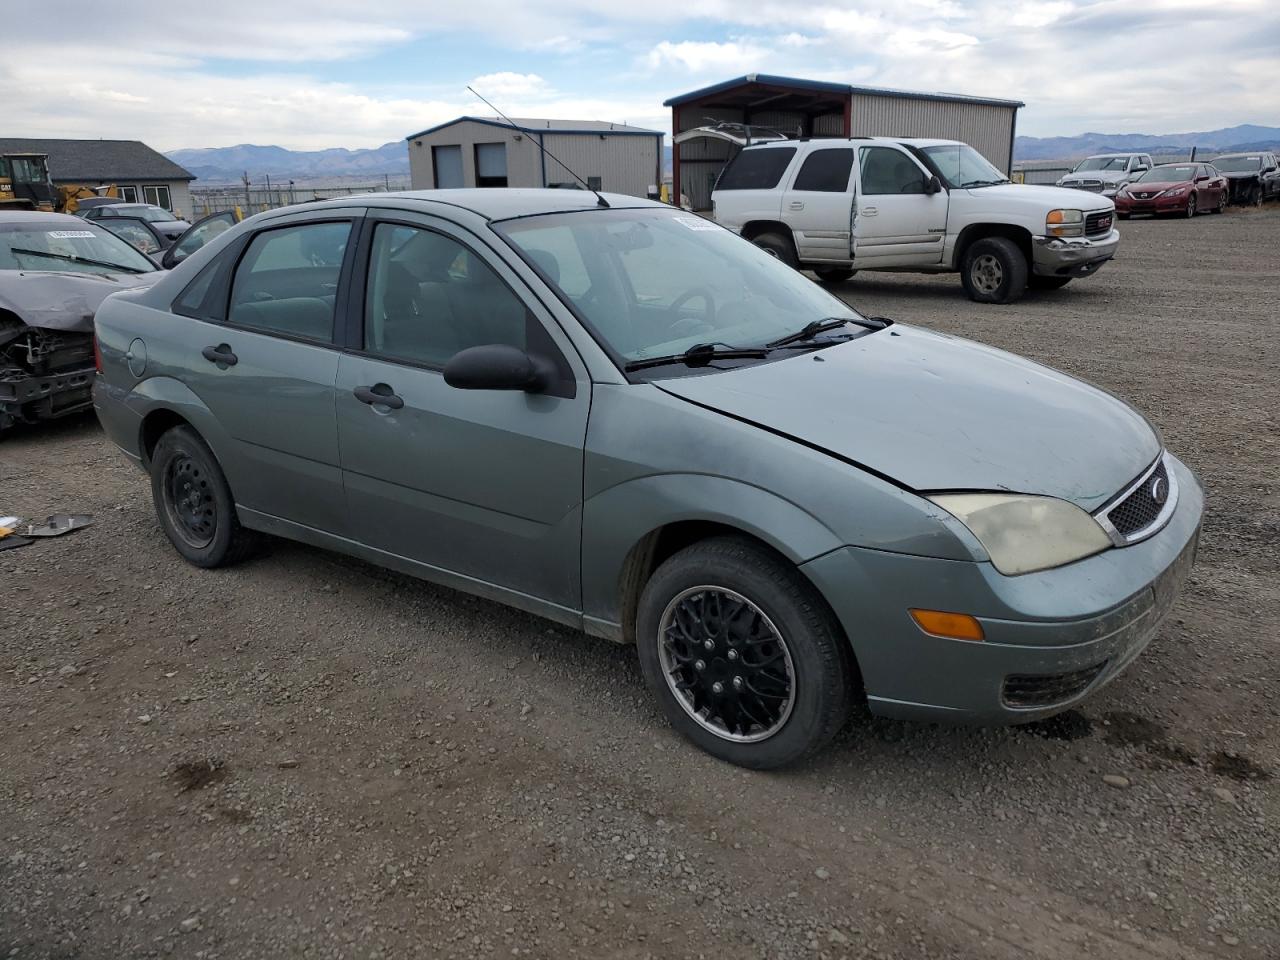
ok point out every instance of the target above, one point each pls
(885, 171)
(202, 233)
(287, 281)
(428, 297)
(826, 171)
(756, 169)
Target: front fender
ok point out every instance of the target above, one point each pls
(616, 519)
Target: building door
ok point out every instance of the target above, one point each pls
(447, 162)
(491, 164)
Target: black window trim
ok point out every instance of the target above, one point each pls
(228, 262)
(353, 335)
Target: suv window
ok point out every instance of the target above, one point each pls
(886, 170)
(429, 297)
(287, 281)
(826, 171)
(756, 169)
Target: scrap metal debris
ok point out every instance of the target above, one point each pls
(15, 533)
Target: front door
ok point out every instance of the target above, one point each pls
(266, 367)
(482, 484)
(896, 221)
(818, 203)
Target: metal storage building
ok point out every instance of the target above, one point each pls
(813, 108)
(481, 152)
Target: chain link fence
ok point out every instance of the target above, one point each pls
(256, 197)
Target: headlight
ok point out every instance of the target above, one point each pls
(1022, 533)
(1064, 223)
(1174, 192)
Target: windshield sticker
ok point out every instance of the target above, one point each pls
(70, 234)
(697, 223)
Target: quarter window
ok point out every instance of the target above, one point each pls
(287, 281)
(428, 297)
(887, 171)
(825, 171)
(756, 169)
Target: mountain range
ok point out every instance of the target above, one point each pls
(228, 164)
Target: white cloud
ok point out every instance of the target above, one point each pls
(699, 56)
(509, 84)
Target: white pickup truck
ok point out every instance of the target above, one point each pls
(925, 206)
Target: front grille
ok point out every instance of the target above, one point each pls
(1144, 194)
(1039, 690)
(1093, 186)
(1140, 509)
(1098, 224)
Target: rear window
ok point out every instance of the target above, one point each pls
(756, 169)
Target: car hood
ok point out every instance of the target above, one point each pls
(1241, 174)
(63, 301)
(1052, 197)
(934, 412)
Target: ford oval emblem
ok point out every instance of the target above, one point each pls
(1159, 491)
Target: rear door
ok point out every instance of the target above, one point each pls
(818, 204)
(481, 484)
(264, 362)
(896, 222)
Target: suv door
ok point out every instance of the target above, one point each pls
(264, 361)
(485, 485)
(818, 204)
(896, 221)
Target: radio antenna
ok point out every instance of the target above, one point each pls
(600, 200)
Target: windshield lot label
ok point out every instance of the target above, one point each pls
(697, 223)
(70, 234)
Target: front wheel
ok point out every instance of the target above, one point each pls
(742, 654)
(1191, 206)
(778, 247)
(834, 274)
(193, 501)
(994, 271)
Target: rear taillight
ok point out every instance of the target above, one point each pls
(97, 354)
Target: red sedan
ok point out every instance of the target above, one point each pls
(1178, 188)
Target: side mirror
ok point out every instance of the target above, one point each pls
(932, 185)
(1202, 179)
(497, 366)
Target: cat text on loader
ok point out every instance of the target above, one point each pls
(25, 185)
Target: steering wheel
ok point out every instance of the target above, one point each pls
(695, 293)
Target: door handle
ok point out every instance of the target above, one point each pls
(378, 394)
(797, 204)
(869, 211)
(221, 355)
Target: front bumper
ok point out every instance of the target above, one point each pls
(1130, 205)
(1074, 256)
(32, 398)
(1052, 638)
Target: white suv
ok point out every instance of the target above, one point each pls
(928, 206)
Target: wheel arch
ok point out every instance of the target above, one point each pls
(981, 231)
(164, 403)
(754, 228)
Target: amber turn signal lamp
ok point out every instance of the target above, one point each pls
(953, 626)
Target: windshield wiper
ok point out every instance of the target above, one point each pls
(984, 183)
(811, 330)
(71, 259)
(699, 355)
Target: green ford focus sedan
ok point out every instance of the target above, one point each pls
(625, 418)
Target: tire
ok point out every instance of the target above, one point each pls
(1255, 196)
(779, 246)
(834, 274)
(1047, 283)
(1191, 205)
(793, 627)
(1222, 203)
(193, 502)
(994, 271)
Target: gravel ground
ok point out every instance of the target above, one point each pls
(309, 757)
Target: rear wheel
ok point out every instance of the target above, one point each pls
(1047, 283)
(193, 501)
(742, 654)
(778, 246)
(1255, 195)
(1222, 203)
(994, 271)
(834, 274)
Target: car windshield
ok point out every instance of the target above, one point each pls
(1100, 163)
(1238, 164)
(962, 166)
(652, 283)
(1170, 173)
(78, 248)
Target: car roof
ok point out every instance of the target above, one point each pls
(827, 141)
(1242, 153)
(1127, 153)
(40, 216)
(493, 204)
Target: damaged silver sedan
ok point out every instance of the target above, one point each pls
(55, 270)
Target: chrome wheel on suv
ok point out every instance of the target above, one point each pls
(986, 274)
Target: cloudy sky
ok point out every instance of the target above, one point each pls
(324, 73)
